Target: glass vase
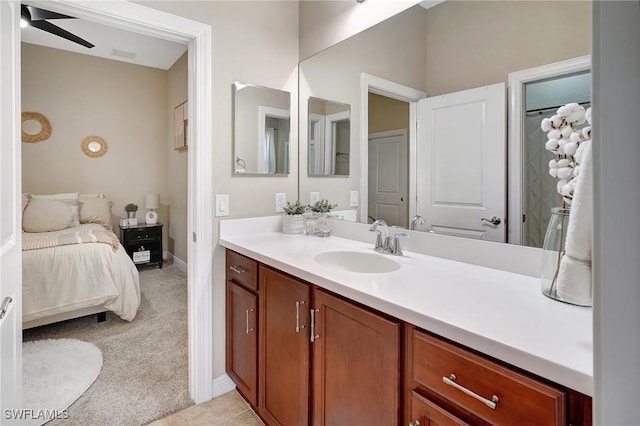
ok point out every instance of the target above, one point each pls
(553, 250)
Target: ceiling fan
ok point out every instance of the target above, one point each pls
(38, 18)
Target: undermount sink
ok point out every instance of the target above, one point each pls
(357, 261)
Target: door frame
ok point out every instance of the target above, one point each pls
(515, 151)
(390, 89)
(155, 23)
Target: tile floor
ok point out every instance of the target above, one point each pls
(229, 409)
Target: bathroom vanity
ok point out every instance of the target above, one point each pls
(312, 339)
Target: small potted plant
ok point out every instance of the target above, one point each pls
(131, 210)
(321, 209)
(292, 221)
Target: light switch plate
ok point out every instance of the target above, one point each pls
(222, 204)
(281, 201)
(314, 197)
(354, 199)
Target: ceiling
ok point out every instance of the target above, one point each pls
(109, 43)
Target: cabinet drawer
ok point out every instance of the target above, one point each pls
(142, 235)
(242, 270)
(428, 413)
(518, 399)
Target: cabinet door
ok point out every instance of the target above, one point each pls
(242, 340)
(427, 413)
(284, 349)
(356, 364)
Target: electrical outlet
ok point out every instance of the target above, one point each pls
(222, 205)
(281, 201)
(314, 197)
(354, 199)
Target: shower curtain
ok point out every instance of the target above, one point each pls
(270, 150)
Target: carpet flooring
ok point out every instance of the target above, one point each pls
(145, 371)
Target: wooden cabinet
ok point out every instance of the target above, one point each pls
(356, 364)
(242, 331)
(284, 348)
(427, 413)
(483, 390)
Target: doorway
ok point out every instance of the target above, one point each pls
(197, 36)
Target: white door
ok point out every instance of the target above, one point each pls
(10, 209)
(388, 177)
(461, 157)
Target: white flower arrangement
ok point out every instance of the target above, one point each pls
(567, 140)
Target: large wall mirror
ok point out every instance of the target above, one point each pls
(329, 138)
(457, 53)
(261, 130)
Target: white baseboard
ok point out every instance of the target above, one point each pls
(222, 385)
(179, 263)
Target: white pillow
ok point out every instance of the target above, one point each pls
(96, 210)
(68, 198)
(44, 215)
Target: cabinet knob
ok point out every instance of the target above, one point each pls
(414, 423)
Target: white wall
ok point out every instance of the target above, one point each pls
(254, 42)
(616, 245)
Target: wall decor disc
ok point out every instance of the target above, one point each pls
(35, 127)
(94, 146)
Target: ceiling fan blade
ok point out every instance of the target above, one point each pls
(53, 29)
(37, 14)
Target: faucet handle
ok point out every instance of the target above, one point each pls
(379, 245)
(395, 244)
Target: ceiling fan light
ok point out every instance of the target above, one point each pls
(23, 23)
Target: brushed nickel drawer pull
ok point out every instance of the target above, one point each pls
(249, 330)
(312, 334)
(298, 326)
(238, 269)
(451, 381)
(5, 306)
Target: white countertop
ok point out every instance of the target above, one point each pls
(501, 314)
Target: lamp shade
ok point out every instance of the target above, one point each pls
(152, 201)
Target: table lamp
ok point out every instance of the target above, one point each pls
(151, 202)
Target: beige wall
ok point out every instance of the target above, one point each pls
(253, 42)
(83, 95)
(176, 164)
(387, 114)
(324, 23)
(476, 43)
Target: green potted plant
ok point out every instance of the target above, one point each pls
(292, 221)
(131, 210)
(322, 206)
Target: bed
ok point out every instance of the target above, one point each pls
(75, 271)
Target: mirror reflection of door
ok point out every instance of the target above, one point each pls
(542, 99)
(388, 160)
(329, 138)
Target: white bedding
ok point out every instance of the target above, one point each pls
(66, 278)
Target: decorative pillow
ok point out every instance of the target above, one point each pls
(44, 215)
(68, 198)
(96, 210)
(25, 200)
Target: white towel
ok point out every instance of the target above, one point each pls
(574, 277)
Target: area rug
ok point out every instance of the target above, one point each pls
(145, 371)
(56, 372)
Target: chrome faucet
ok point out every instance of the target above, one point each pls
(417, 220)
(382, 241)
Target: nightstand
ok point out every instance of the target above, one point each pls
(143, 243)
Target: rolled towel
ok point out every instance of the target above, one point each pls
(574, 277)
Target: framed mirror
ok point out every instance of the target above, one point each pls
(329, 138)
(94, 146)
(35, 127)
(384, 84)
(261, 130)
